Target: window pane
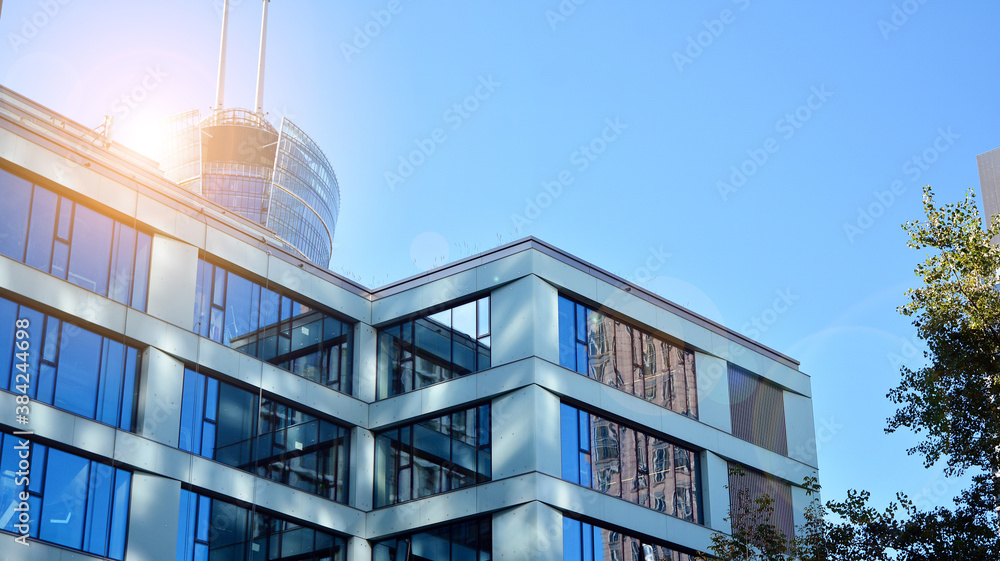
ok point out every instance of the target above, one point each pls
(78, 372)
(567, 334)
(15, 204)
(90, 259)
(140, 282)
(40, 231)
(570, 443)
(63, 502)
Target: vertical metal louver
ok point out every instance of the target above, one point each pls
(758, 410)
(753, 485)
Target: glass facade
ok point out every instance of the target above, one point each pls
(630, 464)
(72, 502)
(257, 321)
(625, 357)
(433, 456)
(181, 158)
(432, 348)
(263, 436)
(465, 541)
(213, 530)
(757, 409)
(68, 367)
(73, 242)
(586, 542)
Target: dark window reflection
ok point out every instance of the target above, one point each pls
(586, 542)
(630, 464)
(74, 502)
(465, 541)
(73, 242)
(214, 530)
(274, 328)
(433, 456)
(69, 367)
(625, 357)
(434, 348)
(263, 436)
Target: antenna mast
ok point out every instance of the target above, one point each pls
(260, 61)
(222, 57)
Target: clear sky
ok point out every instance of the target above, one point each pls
(752, 161)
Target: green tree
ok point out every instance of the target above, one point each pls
(953, 401)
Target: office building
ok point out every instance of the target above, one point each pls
(989, 184)
(182, 385)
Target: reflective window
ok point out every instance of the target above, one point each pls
(747, 486)
(263, 436)
(433, 348)
(73, 242)
(210, 529)
(625, 357)
(274, 328)
(69, 367)
(586, 542)
(757, 408)
(624, 462)
(433, 456)
(465, 541)
(72, 501)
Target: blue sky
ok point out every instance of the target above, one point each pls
(752, 161)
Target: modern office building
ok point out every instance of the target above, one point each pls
(989, 184)
(179, 384)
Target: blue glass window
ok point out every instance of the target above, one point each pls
(433, 456)
(471, 540)
(625, 357)
(630, 464)
(214, 529)
(74, 502)
(70, 367)
(257, 321)
(433, 348)
(587, 542)
(73, 242)
(264, 436)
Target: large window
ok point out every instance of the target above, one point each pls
(68, 367)
(213, 530)
(58, 236)
(625, 357)
(433, 348)
(465, 541)
(623, 462)
(433, 456)
(586, 542)
(757, 408)
(274, 328)
(263, 436)
(72, 502)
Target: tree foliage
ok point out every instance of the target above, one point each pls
(953, 401)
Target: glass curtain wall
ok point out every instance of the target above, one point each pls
(433, 456)
(630, 464)
(70, 241)
(73, 502)
(433, 348)
(586, 542)
(264, 437)
(257, 321)
(625, 357)
(214, 530)
(465, 541)
(67, 366)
